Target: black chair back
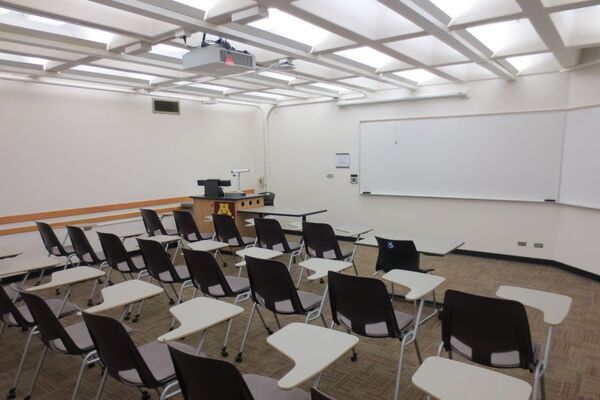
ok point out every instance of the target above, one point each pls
(269, 198)
(116, 254)
(362, 304)
(270, 235)
(157, 260)
(208, 378)
(226, 230)
(8, 308)
(50, 240)
(116, 350)
(49, 327)
(487, 327)
(81, 245)
(320, 241)
(397, 254)
(206, 274)
(186, 226)
(272, 285)
(152, 222)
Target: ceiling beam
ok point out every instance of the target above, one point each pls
(544, 26)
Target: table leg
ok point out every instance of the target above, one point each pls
(317, 381)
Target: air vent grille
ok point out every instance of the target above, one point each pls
(165, 106)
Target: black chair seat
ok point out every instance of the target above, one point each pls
(379, 329)
(509, 359)
(54, 305)
(181, 270)
(238, 285)
(172, 232)
(245, 241)
(263, 387)
(88, 259)
(309, 302)
(138, 263)
(157, 358)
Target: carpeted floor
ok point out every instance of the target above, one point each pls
(574, 370)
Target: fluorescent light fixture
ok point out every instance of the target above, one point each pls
(263, 94)
(45, 21)
(210, 87)
(535, 63)
(420, 76)
(367, 56)
(168, 51)
(180, 83)
(23, 59)
(291, 27)
(275, 75)
(329, 86)
(114, 72)
(394, 99)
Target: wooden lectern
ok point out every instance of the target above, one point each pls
(204, 206)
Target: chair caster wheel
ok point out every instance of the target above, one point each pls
(110, 283)
(269, 331)
(126, 318)
(28, 397)
(224, 352)
(146, 396)
(238, 357)
(57, 291)
(90, 303)
(136, 318)
(354, 358)
(12, 393)
(100, 281)
(171, 328)
(91, 366)
(224, 264)
(171, 301)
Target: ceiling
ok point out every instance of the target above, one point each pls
(340, 48)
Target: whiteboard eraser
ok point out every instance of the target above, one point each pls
(549, 201)
(366, 192)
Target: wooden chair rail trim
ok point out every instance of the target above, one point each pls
(70, 212)
(93, 220)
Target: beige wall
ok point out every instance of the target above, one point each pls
(66, 147)
(304, 139)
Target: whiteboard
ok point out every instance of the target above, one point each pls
(580, 181)
(496, 157)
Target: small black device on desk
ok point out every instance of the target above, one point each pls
(214, 188)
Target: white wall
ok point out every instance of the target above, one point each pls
(67, 147)
(304, 139)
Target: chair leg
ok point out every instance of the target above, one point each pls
(277, 321)
(224, 348)
(300, 278)
(400, 359)
(323, 319)
(12, 393)
(171, 301)
(354, 266)
(102, 383)
(269, 330)
(418, 351)
(178, 302)
(354, 356)
(36, 373)
(91, 299)
(136, 318)
(238, 357)
(543, 387)
(86, 361)
(107, 281)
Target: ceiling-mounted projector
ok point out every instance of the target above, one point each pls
(218, 60)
